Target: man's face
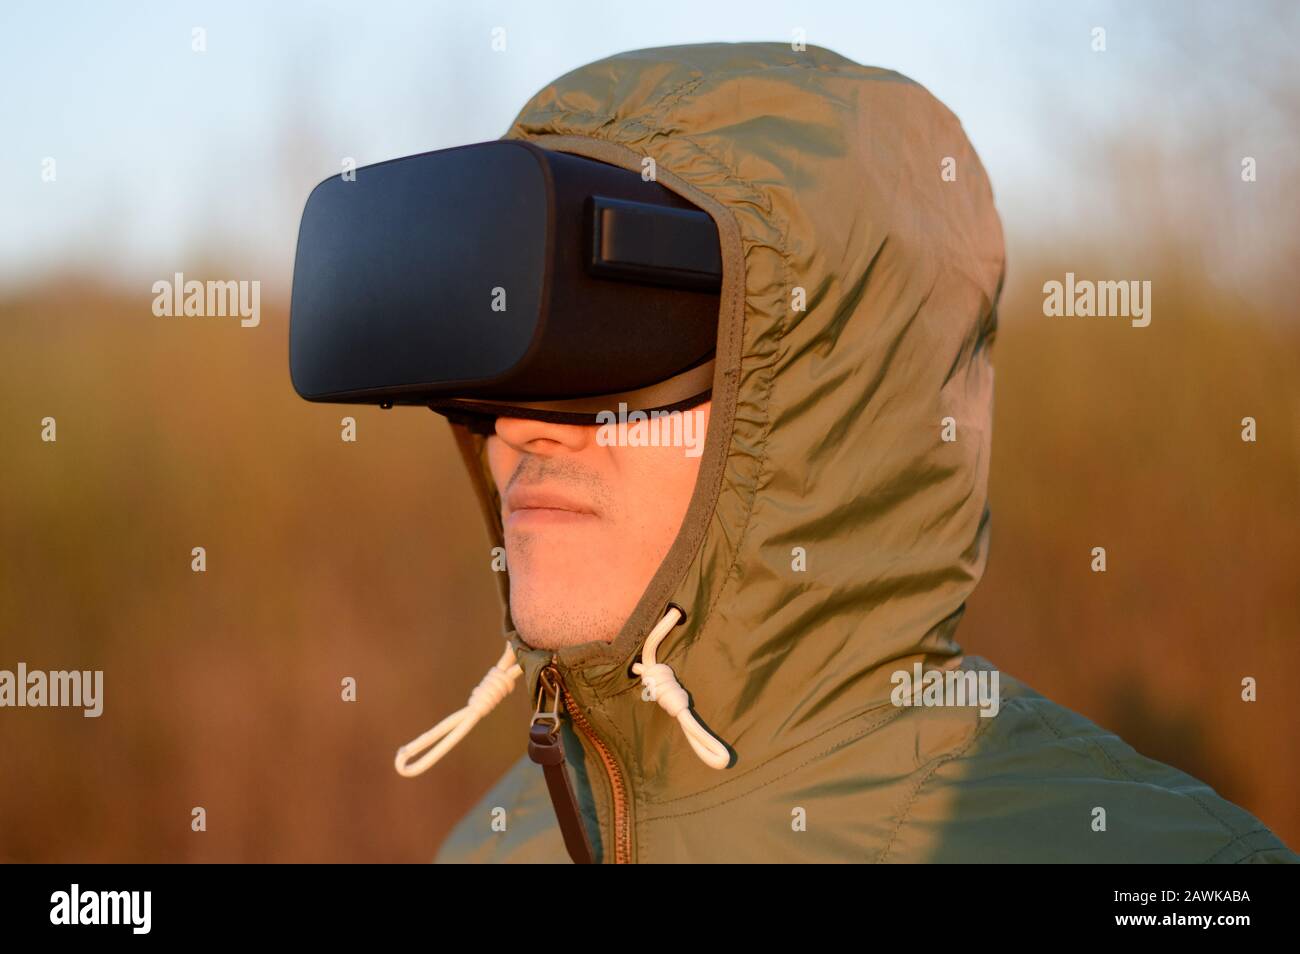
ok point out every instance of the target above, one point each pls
(587, 522)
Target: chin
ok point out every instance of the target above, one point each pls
(576, 615)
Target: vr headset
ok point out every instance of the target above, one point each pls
(504, 279)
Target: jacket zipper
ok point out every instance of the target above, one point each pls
(617, 785)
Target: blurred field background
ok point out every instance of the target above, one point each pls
(328, 559)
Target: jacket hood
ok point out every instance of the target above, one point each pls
(839, 521)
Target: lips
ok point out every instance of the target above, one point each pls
(539, 502)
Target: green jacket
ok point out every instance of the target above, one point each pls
(835, 533)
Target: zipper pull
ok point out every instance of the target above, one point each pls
(546, 748)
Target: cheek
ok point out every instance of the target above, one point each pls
(657, 487)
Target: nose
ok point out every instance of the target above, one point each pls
(541, 437)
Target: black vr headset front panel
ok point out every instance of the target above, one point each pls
(394, 275)
(498, 271)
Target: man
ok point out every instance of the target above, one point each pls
(748, 655)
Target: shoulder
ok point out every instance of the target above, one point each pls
(1039, 782)
(513, 823)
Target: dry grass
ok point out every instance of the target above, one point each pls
(328, 559)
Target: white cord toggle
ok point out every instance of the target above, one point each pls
(662, 685)
(494, 687)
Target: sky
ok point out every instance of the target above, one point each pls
(164, 156)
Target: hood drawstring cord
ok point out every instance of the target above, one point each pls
(494, 687)
(662, 686)
(658, 678)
